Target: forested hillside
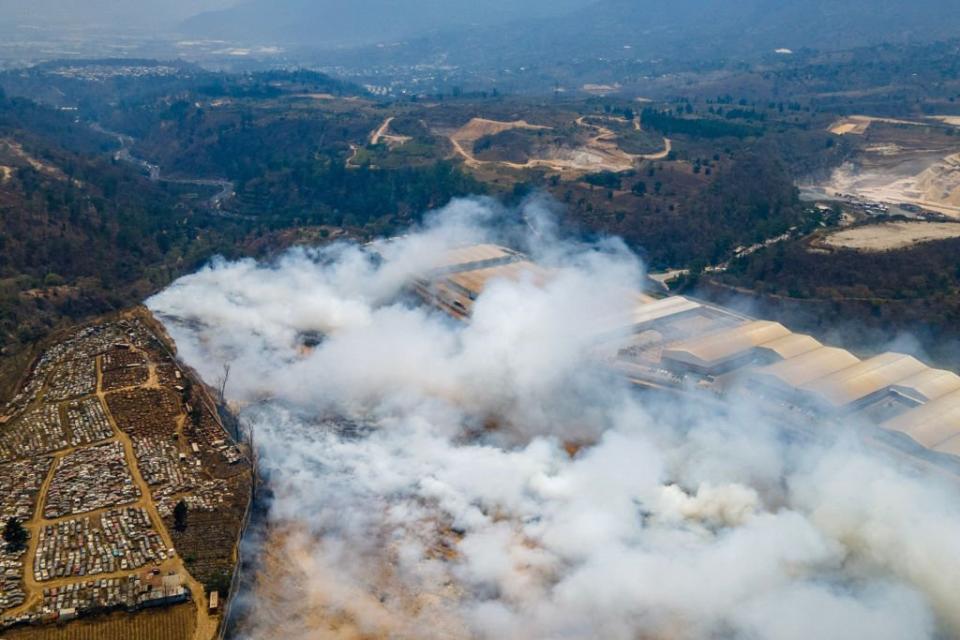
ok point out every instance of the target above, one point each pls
(79, 233)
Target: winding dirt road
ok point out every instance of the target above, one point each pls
(206, 625)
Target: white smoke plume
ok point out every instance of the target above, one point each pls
(454, 506)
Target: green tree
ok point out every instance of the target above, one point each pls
(15, 535)
(180, 516)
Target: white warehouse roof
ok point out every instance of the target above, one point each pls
(716, 349)
(935, 425)
(844, 387)
(928, 385)
(791, 346)
(793, 373)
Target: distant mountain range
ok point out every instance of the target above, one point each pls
(110, 14)
(535, 30)
(338, 23)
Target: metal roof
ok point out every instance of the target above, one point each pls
(652, 311)
(647, 312)
(476, 253)
(795, 372)
(473, 282)
(950, 447)
(720, 347)
(790, 346)
(932, 425)
(928, 385)
(864, 379)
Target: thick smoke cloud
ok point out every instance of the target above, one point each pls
(449, 503)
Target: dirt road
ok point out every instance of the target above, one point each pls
(206, 626)
(600, 153)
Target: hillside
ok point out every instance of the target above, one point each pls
(698, 32)
(81, 235)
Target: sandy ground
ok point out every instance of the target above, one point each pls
(953, 121)
(383, 134)
(936, 187)
(5, 173)
(858, 125)
(17, 150)
(600, 89)
(292, 578)
(601, 153)
(891, 235)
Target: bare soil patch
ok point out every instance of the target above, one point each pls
(171, 623)
(891, 235)
(595, 149)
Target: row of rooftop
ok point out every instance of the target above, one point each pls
(675, 340)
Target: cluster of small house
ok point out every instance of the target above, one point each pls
(230, 453)
(678, 343)
(74, 378)
(116, 540)
(57, 409)
(161, 463)
(20, 484)
(11, 582)
(89, 479)
(132, 592)
(87, 422)
(37, 431)
(83, 346)
(207, 495)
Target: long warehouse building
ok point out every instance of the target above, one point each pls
(675, 341)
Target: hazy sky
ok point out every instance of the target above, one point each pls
(112, 12)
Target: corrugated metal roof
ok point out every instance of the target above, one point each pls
(475, 281)
(790, 346)
(951, 447)
(470, 254)
(717, 348)
(864, 379)
(931, 425)
(646, 312)
(928, 385)
(795, 372)
(653, 311)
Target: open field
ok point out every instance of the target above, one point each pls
(891, 235)
(383, 134)
(858, 125)
(953, 121)
(597, 147)
(172, 623)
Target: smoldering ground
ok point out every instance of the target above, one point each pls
(456, 509)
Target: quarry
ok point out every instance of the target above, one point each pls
(907, 167)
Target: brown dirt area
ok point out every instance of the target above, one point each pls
(891, 235)
(172, 623)
(599, 153)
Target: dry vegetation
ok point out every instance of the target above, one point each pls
(891, 235)
(171, 623)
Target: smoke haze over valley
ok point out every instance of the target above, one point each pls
(421, 481)
(479, 320)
